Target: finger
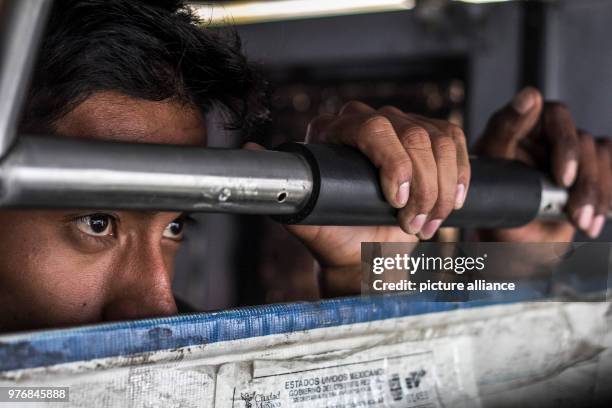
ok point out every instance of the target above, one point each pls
(560, 132)
(605, 187)
(392, 111)
(584, 193)
(355, 107)
(360, 126)
(445, 155)
(375, 136)
(424, 188)
(508, 126)
(449, 149)
(316, 130)
(464, 172)
(320, 128)
(463, 159)
(433, 195)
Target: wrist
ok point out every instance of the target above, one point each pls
(336, 281)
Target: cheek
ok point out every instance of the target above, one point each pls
(169, 253)
(44, 280)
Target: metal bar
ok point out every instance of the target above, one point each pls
(23, 24)
(553, 201)
(47, 172)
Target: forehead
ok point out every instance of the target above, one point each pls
(117, 117)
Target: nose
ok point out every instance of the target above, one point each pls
(142, 286)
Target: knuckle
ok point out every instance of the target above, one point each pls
(351, 105)
(603, 154)
(404, 216)
(498, 116)
(456, 132)
(318, 123)
(370, 130)
(445, 146)
(415, 137)
(605, 143)
(428, 196)
(591, 189)
(444, 206)
(557, 108)
(319, 119)
(535, 92)
(399, 168)
(376, 123)
(502, 127)
(389, 109)
(591, 175)
(595, 182)
(586, 140)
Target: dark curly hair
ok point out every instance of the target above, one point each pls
(154, 50)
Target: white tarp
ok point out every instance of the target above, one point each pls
(528, 355)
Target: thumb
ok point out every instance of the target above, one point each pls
(508, 126)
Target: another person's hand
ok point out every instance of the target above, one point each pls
(544, 135)
(424, 173)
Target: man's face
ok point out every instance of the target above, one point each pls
(69, 267)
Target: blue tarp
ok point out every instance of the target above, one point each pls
(51, 347)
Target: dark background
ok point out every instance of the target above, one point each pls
(446, 59)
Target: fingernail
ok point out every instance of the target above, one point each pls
(459, 196)
(569, 175)
(430, 229)
(403, 192)
(417, 223)
(523, 101)
(585, 216)
(597, 226)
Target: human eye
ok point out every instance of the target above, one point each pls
(176, 229)
(96, 225)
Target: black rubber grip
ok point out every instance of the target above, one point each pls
(502, 193)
